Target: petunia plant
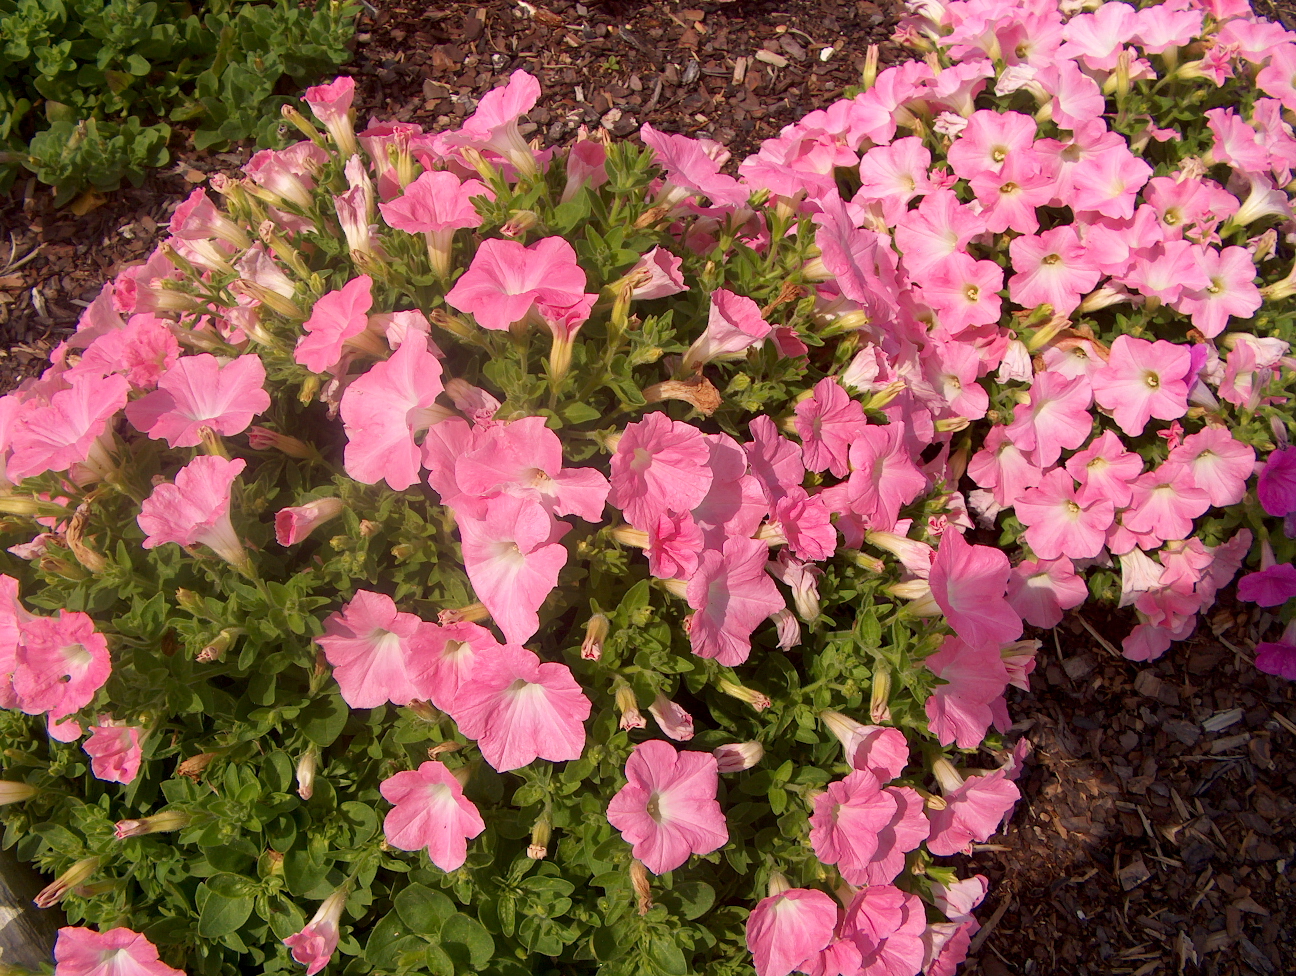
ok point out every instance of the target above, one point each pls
(448, 554)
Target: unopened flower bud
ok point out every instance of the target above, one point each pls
(53, 894)
(519, 222)
(163, 822)
(639, 881)
(885, 395)
(444, 749)
(306, 773)
(596, 632)
(25, 505)
(671, 718)
(755, 699)
(368, 528)
(628, 705)
(472, 613)
(464, 773)
(879, 709)
(540, 834)
(262, 439)
(788, 628)
(734, 757)
(215, 651)
(16, 792)
(946, 775)
(189, 600)
(778, 884)
(628, 536)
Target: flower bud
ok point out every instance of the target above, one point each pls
(472, 613)
(53, 894)
(671, 718)
(306, 773)
(778, 884)
(879, 709)
(946, 775)
(16, 792)
(628, 705)
(755, 699)
(540, 834)
(191, 601)
(194, 766)
(596, 632)
(24, 505)
(163, 822)
(443, 749)
(215, 651)
(734, 757)
(519, 222)
(261, 439)
(628, 536)
(426, 711)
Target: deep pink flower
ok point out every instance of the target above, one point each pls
(386, 409)
(338, 317)
(1278, 657)
(886, 925)
(63, 432)
(734, 325)
(59, 663)
(866, 829)
(199, 392)
(1056, 417)
(430, 812)
(507, 280)
(114, 751)
(195, 510)
(315, 944)
(197, 219)
(117, 952)
(296, 522)
(972, 813)
(444, 657)
(732, 594)
(668, 810)
(659, 465)
(968, 583)
(827, 421)
(1270, 586)
(1040, 590)
(371, 647)
(786, 929)
(1276, 486)
(513, 555)
(1143, 379)
(1060, 524)
(519, 709)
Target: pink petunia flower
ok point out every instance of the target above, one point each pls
(1270, 586)
(964, 293)
(1141, 380)
(940, 228)
(338, 318)
(883, 477)
(59, 663)
(1276, 485)
(659, 465)
(1009, 196)
(1040, 590)
(1109, 182)
(673, 720)
(971, 700)
(331, 104)
(1231, 290)
(1052, 268)
(494, 125)
(692, 166)
(827, 421)
(506, 281)
(296, 522)
(776, 461)
(430, 812)
(199, 392)
(114, 750)
(972, 812)
(968, 583)
(141, 351)
(1164, 502)
(989, 141)
(195, 510)
(886, 925)
(1278, 657)
(734, 325)
(880, 750)
(513, 555)
(1105, 469)
(674, 545)
(519, 710)
(436, 205)
(66, 431)
(315, 944)
(667, 810)
(732, 595)
(371, 647)
(865, 829)
(786, 929)
(1005, 468)
(444, 657)
(1220, 464)
(386, 409)
(1056, 417)
(656, 275)
(1059, 523)
(117, 952)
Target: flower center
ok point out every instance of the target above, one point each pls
(641, 460)
(1072, 507)
(654, 807)
(1151, 380)
(1216, 286)
(971, 292)
(1009, 187)
(1051, 259)
(999, 153)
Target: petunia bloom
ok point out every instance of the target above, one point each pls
(114, 750)
(786, 929)
(659, 465)
(117, 952)
(59, 663)
(732, 595)
(972, 812)
(866, 829)
(968, 583)
(196, 509)
(429, 811)
(338, 318)
(668, 809)
(370, 645)
(734, 325)
(1142, 380)
(315, 944)
(506, 281)
(197, 392)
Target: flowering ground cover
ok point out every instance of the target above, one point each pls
(787, 459)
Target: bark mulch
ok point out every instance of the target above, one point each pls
(1157, 832)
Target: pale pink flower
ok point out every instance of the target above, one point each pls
(894, 175)
(197, 392)
(883, 477)
(1002, 466)
(827, 421)
(1105, 469)
(1099, 38)
(114, 750)
(861, 262)
(659, 465)
(65, 431)
(786, 929)
(1231, 290)
(732, 595)
(519, 709)
(882, 751)
(1052, 268)
(1219, 463)
(938, 229)
(58, 664)
(692, 166)
(494, 125)
(586, 166)
(288, 174)
(443, 659)
(386, 409)
(667, 810)
(1009, 195)
(886, 925)
(1109, 182)
(506, 281)
(1141, 380)
(117, 952)
(968, 583)
(141, 351)
(1040, 590)
(331, 104)
(734, 325)
(804, 522)
(430, 812)
(513, 555)
(990, 139)
(436, 205)
(951, 367)
(197, 219)
(1164, 502)
(734, 757)
(195, 510)
(315, 944)
(294, 523)
(964, 293)
(1167, 25)
(673, 720)
(371, 647)
(1059, 523)
(866, 829)
(338, 318)
(963, 709)
(656, 275)
(1166, 269)
(972, 813)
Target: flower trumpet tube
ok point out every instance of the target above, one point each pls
(16, 792)
(158, 823)
(315, 944)
(52, 894)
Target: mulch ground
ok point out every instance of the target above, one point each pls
(1157, 832)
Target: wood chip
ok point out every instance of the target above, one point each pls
(1222, 720)
(1133, 874)
(770, 58)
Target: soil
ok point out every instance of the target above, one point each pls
(1156, 834)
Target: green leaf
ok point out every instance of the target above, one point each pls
(460, 930)
(225, 902)
(323, 719)
(423, 909)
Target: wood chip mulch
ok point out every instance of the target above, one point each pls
(1157, 832)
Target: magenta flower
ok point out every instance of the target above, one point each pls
(1276, 486)
(315, 944)
(968, 583)
(1142, 380)
(429, 811)
(59, 663)
(734, 325)
(512, 555)
(294, 523)
(196, 509)
(732, 594)
(338, 318)
(386, 409)
(1060, 524)
(371, 647)
(827, 422)
(506, 281)
(494, 125)
(659, 465)
(444, 657)
(117, 952)
(63, 432)
(114, 750)
(866, 829)
(1270, 586)
(668, 809)
(785, 930)
(1278, 657)
(519, 710)
(972, 813)
(199, 392)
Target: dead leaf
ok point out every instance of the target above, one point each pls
(86, 202)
